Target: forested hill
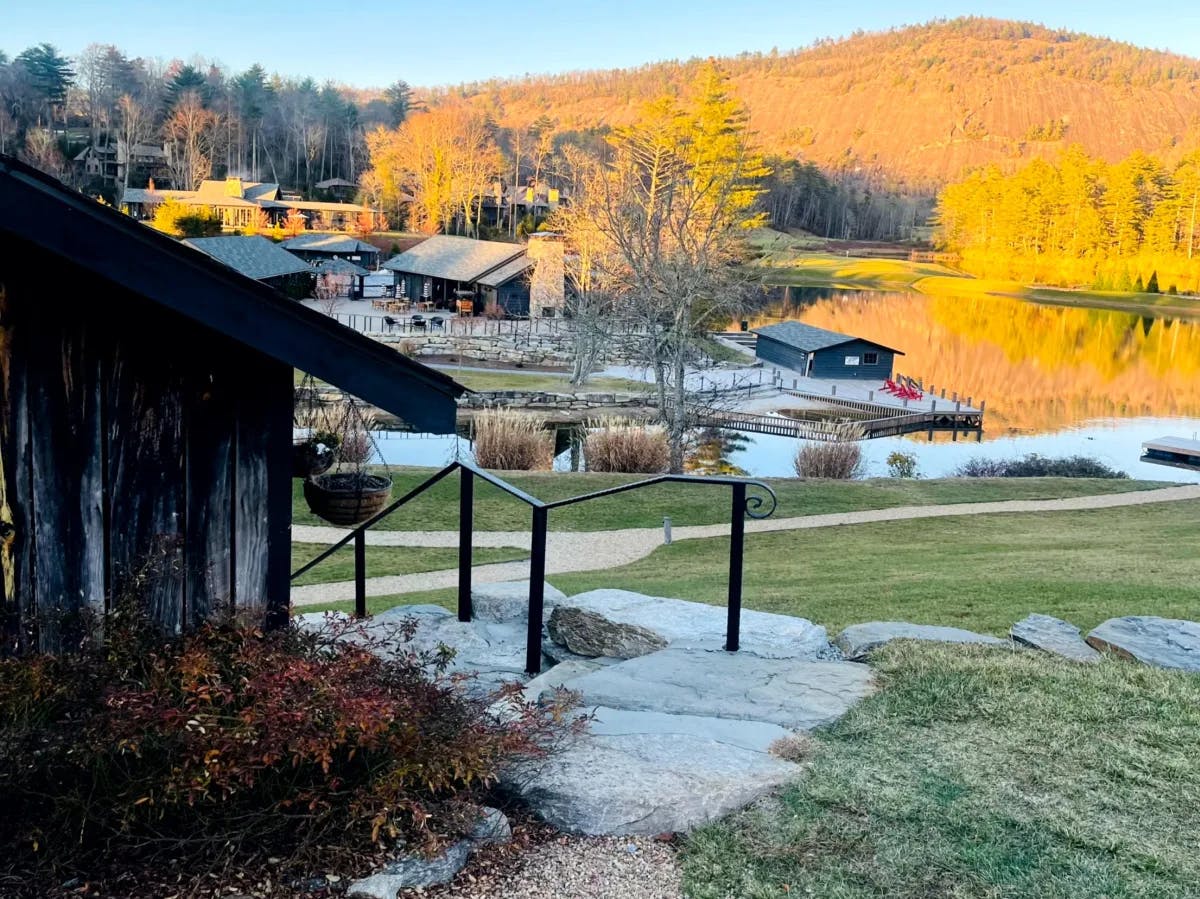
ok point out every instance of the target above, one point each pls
(918, 104)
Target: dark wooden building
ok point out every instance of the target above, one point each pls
(817, 353)
(444, 269)
(146, 417)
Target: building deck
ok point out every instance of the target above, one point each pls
(1175, 451)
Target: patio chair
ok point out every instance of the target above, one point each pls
(418, 322)
(437, 323)
(390, 322)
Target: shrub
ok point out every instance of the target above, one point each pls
(1035, 466)
(357, 447)
(144, 745)
(840, 458)
(902, 465)
(510, 441)
(622, 446)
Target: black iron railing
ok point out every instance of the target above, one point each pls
(743, 504)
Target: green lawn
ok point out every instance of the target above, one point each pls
(541, 381)
(980, 773)
(978, 572)
(809, 268)
(388, 560)
(437, 508)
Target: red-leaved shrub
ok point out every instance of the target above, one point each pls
(289, 739)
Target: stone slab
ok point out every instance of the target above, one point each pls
(645, 783)
(509, 601)
(1051, 634)
(625, 624)
(791, 693)
(755, 736)
(416, 872)
(859, 640)
(1163, 642)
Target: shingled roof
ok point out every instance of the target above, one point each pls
(455, 258)
(112, 246)
(329, 243)
(810, 338)
(253, 256)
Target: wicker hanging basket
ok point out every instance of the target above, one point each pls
(347, 498)
(311, 458)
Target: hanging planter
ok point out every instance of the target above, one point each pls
(347, 498)
(314, 455)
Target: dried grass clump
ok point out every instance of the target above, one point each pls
(510, 441)
(628, 447)
(839, 459)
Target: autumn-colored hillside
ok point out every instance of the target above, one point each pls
(920, 104)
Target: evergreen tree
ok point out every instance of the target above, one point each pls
(399, 101)
(48, 74)
(1152, 284)
(187, 80)
(1124, 282)
(1138, 286)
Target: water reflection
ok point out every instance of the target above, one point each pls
(1040, 368)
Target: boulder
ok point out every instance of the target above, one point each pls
(741, 686)
(1163, 642)
(624, 624)
(645, 782)
(509, 600)
(415, 871)
(756, 736)
(858, 640)
(1054, 635)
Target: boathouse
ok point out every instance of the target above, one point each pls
(146, 413)
(818, 353)
(446, 270)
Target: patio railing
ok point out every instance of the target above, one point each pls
(743, 504)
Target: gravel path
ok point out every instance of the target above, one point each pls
(576, 868)
(570, 551)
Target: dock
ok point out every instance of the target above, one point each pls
(1178, 452)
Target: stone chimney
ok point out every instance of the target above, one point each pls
(547, 286)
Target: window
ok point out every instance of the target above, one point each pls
(852, 360)
(870, 358)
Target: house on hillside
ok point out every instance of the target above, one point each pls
(259, 258)
(146, 419)
(817, 353)
(239, 203)
(314, 247)
(446, 270)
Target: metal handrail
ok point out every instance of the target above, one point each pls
(743, 505)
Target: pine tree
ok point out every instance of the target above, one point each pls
(1138, 286)
(1152, 284)
(1124, 282)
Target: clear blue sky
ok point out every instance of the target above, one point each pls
(369, 43)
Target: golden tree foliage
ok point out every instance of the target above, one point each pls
(659, 217)
(444, 159)
(1079, 221)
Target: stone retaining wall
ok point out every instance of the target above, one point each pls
(522, 349)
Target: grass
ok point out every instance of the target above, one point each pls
(389, 560)
(805, 268)
(980, 572)
(437, 508)
(979, 773)
(544, 382)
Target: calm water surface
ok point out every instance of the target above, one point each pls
(1057, 380)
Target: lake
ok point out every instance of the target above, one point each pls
(1057, 380)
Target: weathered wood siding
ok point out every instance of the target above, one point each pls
(137, 456)
(829, 362)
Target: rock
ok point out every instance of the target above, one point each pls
(858, 640)
(742, 686)
(1164, 642)
(557, 654)
(1053, 635)
(494, 651)
(509, 601)
(645, 783)
(414, 871)
(626, 625)
(756, 736)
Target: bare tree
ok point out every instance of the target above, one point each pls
(134, 126)
(668, 204)
(191, 132)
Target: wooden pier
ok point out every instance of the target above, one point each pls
(1178, 452)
